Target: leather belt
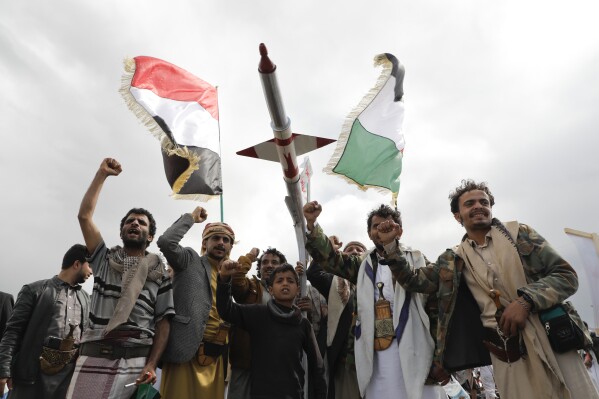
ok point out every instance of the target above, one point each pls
(508, 351)
(112, 351)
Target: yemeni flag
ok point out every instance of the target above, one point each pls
(370, 147)
(181, 111)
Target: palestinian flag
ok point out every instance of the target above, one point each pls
(370, 147)
(181, 110)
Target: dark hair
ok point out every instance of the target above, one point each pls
(271, 251)
(285, 267)
(76, 252)
(141, 211)
(467, 185)
(384, 211)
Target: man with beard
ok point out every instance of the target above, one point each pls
(390, 322)
(341, 301)
(248, 290)
(131, 305)
(38, 349)
(194, 365)
(494, 282)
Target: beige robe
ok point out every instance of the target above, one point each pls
(541, 373)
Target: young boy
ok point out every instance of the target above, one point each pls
(279, 335)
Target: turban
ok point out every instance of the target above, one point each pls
(218, 228)
(356, 243)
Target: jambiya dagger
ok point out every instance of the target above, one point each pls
(284, 148)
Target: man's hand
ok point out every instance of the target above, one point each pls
(388, 231)
(147, 375)
(311, 212)
(4, 382)
(253, 254)
(304, 304)
(335, 243)
(227, 269)
(513, 318)
(588, 360)
(199, 215)
(110, 167)
(299, 268)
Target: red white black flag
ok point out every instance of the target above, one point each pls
(181, 110)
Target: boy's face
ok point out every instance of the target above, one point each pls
(284, 287)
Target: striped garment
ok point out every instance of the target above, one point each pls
(98, 378)
(154, 302)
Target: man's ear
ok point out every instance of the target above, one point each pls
(270, 290)
(150, 238)
(458, 217)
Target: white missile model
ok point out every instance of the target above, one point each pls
(284, 148)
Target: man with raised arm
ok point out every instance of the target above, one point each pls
(393, 345)
(248, 290)
(131, 304)
(490, 288)
(194, 360)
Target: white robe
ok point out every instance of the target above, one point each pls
(400, 370)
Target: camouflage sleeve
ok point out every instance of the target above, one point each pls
(552, 279)
(320, 248)
(424, 279)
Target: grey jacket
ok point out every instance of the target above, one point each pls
(22, 342)
(191, 292)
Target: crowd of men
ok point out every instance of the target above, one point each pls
(374, 323)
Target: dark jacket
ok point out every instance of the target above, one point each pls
(7, 302)
(191, 293)
(25, 333)
(279, 338)
(343, 341)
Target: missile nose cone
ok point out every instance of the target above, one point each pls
(265, 65)
(263, 50)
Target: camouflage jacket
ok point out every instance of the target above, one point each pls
(550, 278)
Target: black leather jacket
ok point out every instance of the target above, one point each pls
(26, 329)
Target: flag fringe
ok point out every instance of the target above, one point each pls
(194, 197)
(387, 65)
(144, 117)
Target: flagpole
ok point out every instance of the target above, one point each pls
(222, 206)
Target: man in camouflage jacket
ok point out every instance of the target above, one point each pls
(461, 285)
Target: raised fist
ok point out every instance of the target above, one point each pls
(335, 243)
(199, 214)
(311, 212)
(110, 167)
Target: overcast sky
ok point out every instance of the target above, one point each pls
(506, 92)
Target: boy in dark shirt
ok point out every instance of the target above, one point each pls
(279, 335)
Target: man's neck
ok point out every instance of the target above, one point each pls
(65, 276)
(478, 235)
(129, 251)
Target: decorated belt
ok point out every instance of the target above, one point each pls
(112, 351)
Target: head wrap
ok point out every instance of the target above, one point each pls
(356, 243)
(218, 228)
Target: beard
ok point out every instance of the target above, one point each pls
(136, 243)
(217, 256)
(81, 278)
